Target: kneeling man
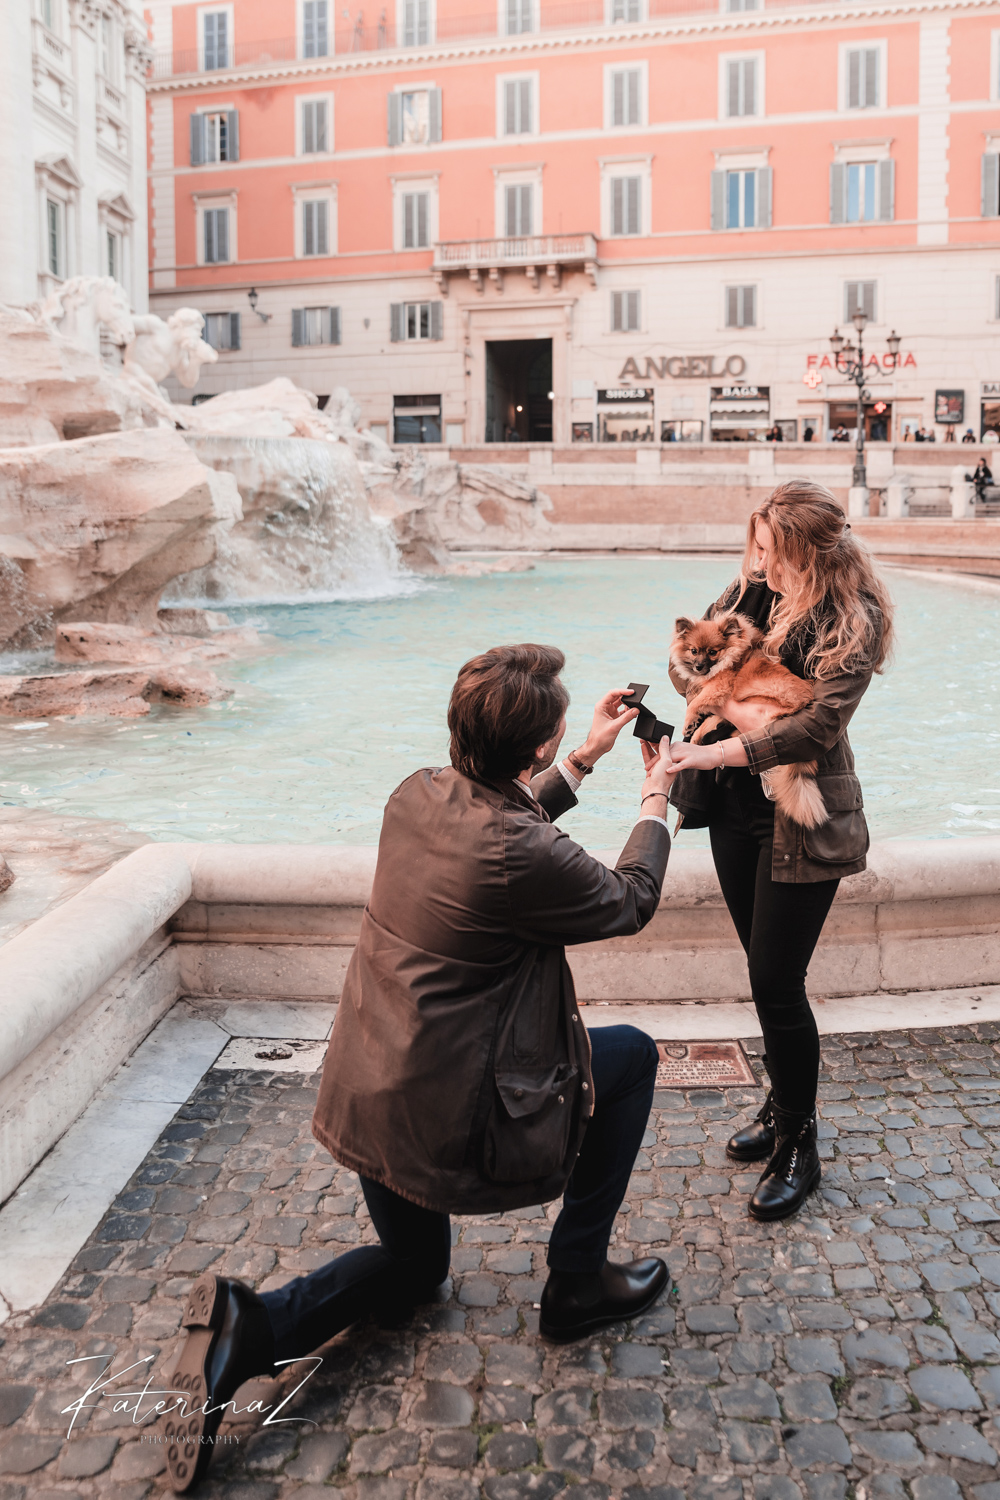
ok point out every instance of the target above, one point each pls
(460, 1077)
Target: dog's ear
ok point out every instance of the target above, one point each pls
(731, 625)
(683, 625)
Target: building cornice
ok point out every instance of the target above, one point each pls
(528, 44)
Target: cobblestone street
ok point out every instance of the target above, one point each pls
(853, 1350)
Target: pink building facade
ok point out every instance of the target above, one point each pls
(606, 220)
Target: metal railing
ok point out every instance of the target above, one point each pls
(383, 27)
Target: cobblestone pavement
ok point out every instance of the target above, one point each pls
(852, 1351)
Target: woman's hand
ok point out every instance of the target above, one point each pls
(660, 772)
(688, 757)
(609, 721)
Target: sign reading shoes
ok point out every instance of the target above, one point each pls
(684, 367)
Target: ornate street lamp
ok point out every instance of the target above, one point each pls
(253, 299)
(850, 361)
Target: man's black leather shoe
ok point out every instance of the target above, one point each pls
(229, 1341)
(577, 1304)
(793, 1171)
(756, 1141)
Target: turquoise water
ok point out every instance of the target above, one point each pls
(349, 698)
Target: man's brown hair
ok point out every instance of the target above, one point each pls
(505, 704)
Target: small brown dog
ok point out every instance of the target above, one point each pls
(719, 661)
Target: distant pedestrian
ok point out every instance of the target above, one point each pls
(968, 436)
(982, 477)
(841, 436)
(921, 435)
(808, 435)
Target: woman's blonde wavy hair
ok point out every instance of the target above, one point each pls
(832, 597)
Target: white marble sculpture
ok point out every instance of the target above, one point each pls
(175, 347)
(80, 307)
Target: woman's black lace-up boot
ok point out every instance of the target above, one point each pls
(756, 1141)
(794, 1169)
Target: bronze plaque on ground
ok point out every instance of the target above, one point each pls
(697, 1065)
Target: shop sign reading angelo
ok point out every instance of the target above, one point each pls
(683, 367)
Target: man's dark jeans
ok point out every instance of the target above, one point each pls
(415, 1248)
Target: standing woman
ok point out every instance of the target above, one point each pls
(810, 585)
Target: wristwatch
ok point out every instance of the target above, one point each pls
(578, 765)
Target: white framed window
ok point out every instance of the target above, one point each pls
(215, 232)
(862, 191)
(222, 330)
(741, 85)
(625, 96)
(517, 17)
(49, 14)
(315, 29)
(315, 219)
(625, 193)
(517, 104)
(216, 228)
(55, 237)
(315, 226)
(415, 322)
(111, 50)
(416, 209)
(863, 75)
(415, 23)
(215, 37)
(215, 136)
(625, 12)
(742, 190)
(415, 116)
(732, 6)
(860, 296)
(113, 255)
(626, 205)
(995, 65)
(740, 307)
(989, 205)
(519, 209)
(315, 125)
(626, 309)
(415, 212)
(517, 202)
(315, 325)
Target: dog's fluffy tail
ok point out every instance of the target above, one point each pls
(797, 793)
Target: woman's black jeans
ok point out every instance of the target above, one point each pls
(779, 925)
(415, 1250)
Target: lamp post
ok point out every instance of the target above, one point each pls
(253, 299)
(850, 361)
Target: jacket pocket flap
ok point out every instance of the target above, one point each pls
(526, 1092)
(841, 792)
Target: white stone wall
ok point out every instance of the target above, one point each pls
(941, 301)
(75, 135)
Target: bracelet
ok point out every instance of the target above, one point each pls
(722, 752)
(578, 765)
(652, 794)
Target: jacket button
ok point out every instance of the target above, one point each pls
(576, 1018)
(786, 858)
(586, 1086)
(519, 1093)
(561, 1100)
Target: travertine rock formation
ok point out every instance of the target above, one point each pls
(51, 389)
(121, 692)
(135, 645)
(99, 527)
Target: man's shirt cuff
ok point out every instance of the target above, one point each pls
(574, 783)
(652, 818)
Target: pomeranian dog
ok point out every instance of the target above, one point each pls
(719, 660)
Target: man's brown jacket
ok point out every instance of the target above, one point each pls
(458, 1072)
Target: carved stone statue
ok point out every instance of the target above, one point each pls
(79, 307)
(176, 347)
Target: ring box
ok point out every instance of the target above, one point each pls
(647, 726)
